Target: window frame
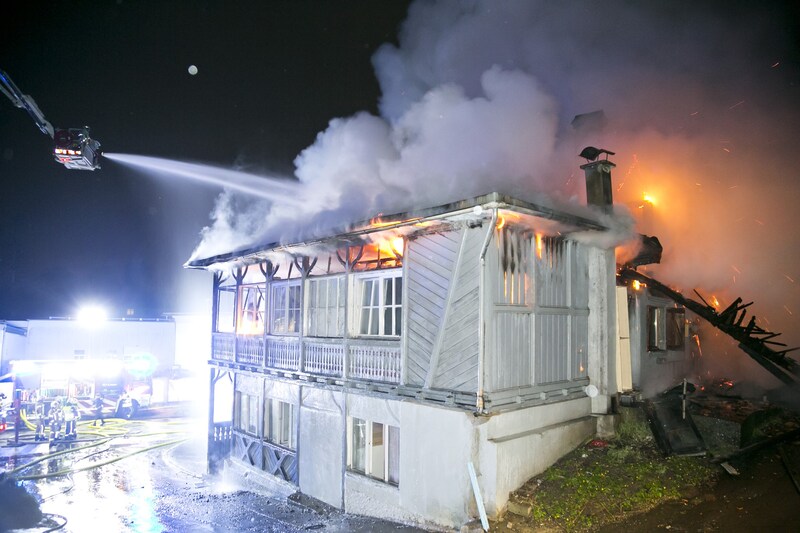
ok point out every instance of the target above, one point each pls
(334, 321)
(656, 328)
(246, 406)
(254, 315)
(380, 307)
(280, 423)
(389, 459)
(675, 324)
(284, 311)
(225, 320)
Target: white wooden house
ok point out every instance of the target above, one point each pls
(368, 369)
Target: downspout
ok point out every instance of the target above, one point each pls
(481, 318)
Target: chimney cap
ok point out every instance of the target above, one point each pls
(590, 153)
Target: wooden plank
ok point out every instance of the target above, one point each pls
(428, 301)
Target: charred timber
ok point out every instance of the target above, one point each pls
(753, 339)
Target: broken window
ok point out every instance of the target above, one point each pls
(285, 310)
(326, 307)
(251, 317)
(676, 321)
(245, 413)
(373, 449)
(279, 423)
(656, 329)
(379, 297)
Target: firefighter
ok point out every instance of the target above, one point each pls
(71, 417)
(3, 408)
(41, 412)
(98, 410)
(56, 419)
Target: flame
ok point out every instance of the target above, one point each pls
(637, 285)
(648, 199)
(539, 245)
(501, 221)
(389, 246)
(377, 222)
(249, 327)
(714, 302)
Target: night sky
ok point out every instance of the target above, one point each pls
(469, 97)
(270, 76)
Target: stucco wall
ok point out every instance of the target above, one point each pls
(518, 445)
(435, 446)
(321, 446)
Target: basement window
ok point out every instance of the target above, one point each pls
(379, 297)
(373, 449)
(245, 413)
(279, 423)
(676, 323)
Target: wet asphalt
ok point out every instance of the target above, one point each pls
(148, 476)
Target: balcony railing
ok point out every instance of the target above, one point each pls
(324, 358)
(373, 361)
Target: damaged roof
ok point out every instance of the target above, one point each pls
(472, 208)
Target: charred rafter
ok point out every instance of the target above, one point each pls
(756, 341)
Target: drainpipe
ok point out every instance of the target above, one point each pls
(481, 303)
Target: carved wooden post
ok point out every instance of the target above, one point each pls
(347, 262)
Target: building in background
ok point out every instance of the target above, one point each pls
(154, 360)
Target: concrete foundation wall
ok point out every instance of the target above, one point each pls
(518, 445)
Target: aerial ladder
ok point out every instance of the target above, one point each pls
(74, 148)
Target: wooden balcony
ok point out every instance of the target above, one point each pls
(369, 360)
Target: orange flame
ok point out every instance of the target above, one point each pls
(539, 245)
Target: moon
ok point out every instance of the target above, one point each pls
(192, 70)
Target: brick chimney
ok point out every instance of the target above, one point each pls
(598, 184)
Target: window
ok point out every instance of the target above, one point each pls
(380, 304)
(225, 310)
(279, 423)
(251, 301)
(245, 413)
(656, 330)
(285, 312)
(374, 450)
(326, 307)
(676, 322)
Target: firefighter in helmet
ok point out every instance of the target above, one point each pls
(56, 418)
(71, 417)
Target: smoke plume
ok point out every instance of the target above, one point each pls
(479, 96)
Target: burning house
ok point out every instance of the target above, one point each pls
(375, 369)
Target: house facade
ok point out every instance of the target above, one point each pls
(373, 369)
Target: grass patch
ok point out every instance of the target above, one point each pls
(594, 486)
(591, 487)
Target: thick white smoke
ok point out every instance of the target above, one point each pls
(479, 94)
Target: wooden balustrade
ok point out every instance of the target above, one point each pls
(373, 362)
